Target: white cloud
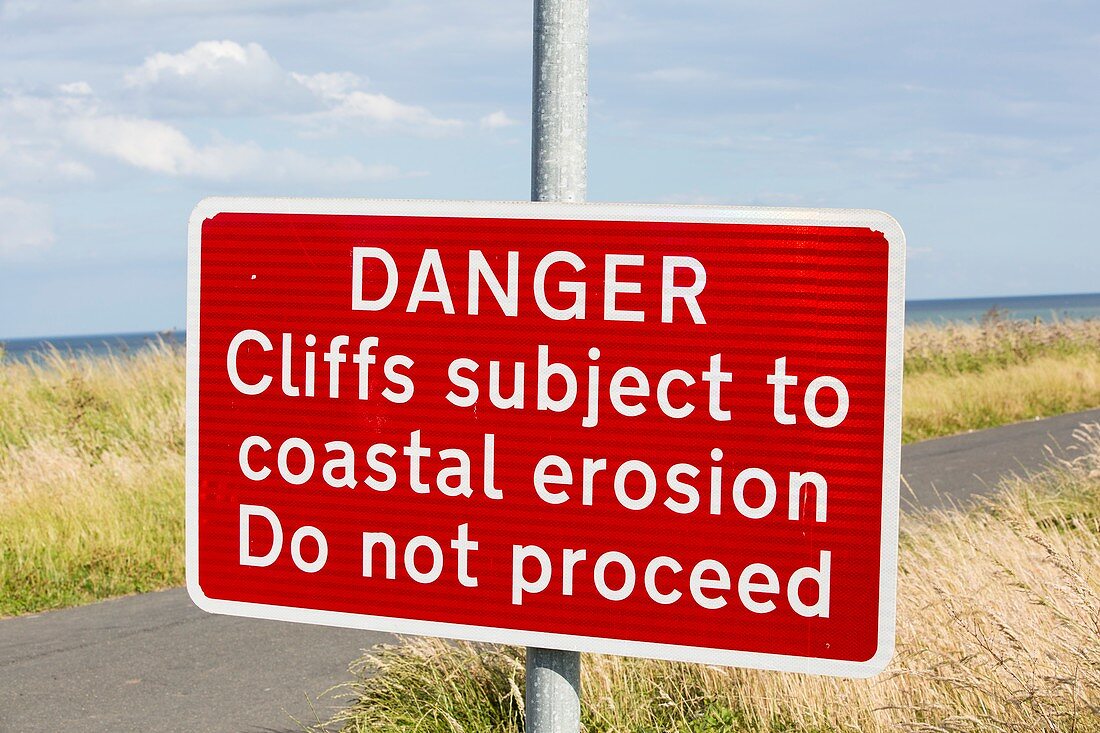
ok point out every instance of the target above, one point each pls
(148, 144)
(496, 120)
(160, 148)
(329, 86)
(76, 89)
(344, 102)
(59, 137)
(24, 227)
(206, 58)
(227, 78)
(36, 162)
(219, 77)
(32, 152)
(359, 106)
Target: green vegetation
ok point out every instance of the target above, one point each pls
(960, 378)
(91, 449)
(91, 478)
(995, 343)
(998, 630)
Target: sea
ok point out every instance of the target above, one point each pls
(1077, 306)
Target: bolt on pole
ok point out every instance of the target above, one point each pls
(559, 172)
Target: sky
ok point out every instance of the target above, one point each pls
(973, 123)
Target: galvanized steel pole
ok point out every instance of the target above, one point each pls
(559, 172)
(559, 124)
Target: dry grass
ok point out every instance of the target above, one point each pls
(91, 449)
(994, 343)
(998, 630)
(969, 377)
(91, 477)
(939, 404)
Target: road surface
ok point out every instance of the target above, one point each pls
(957, 468)
(155, 663)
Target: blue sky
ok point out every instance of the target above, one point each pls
(973, 123)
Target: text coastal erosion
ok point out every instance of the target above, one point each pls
(668, 291)
(664, 431)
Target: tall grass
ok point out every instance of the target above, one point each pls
(91, 449)
(91, 477)
(938, 404)
(998, 630)
(995, 343)
(969, 377)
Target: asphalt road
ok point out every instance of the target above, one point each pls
(156, 663)
(955, 469)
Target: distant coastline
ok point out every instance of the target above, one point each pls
(938, 311)
(1075, 306)
(92, 345)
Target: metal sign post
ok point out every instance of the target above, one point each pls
(788, 562)
(559, 172)
(559, 124)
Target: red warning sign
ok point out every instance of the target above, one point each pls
(647, 430)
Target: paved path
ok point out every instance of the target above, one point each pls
(957, 468)
(155, 663)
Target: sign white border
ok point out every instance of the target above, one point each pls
(891, 468)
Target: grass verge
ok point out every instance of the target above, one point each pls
(998, 630)
(969, 377)
(91, 449)
(91, 478)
